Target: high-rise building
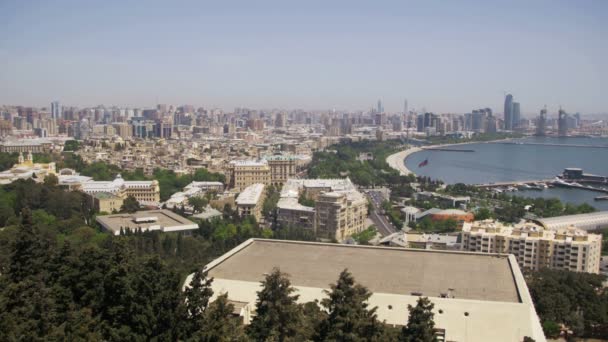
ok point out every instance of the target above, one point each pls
(478, 120)
(420, 123)
(405, 106)
(562, 123)
(541, 123)
(508, 114)
(516, 116)
(380, 108)
(535, 247)
(55, 110)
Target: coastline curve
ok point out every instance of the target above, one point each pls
(397, 160)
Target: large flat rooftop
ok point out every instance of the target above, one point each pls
(380, 269)
(164, 220)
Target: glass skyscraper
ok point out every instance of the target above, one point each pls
(508, 112)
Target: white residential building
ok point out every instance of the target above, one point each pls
(535, 247)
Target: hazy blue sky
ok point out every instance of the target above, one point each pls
(446, 56)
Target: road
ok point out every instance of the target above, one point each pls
(385, 227)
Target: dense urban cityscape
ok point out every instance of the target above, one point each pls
(206, 222)
(301, 175)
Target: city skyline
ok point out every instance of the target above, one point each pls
(442, 57)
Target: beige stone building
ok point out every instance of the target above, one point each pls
(535, 247)
(123, 130)
(339, 212)
(105, 202)
(145, 192)
(250, 201)
(275, 170)
(281, 168)
(243, 173)
(340, 215)
(26, 169)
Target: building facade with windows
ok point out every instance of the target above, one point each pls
(243, 173)
(534, 247)
(281, 168)
(339, 210)
(250, 201)
(145, 192)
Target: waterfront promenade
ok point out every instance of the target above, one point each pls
(397, 160)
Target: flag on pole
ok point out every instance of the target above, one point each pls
(424, 163)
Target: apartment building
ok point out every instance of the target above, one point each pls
(243, 173)
(340, 215)
(281, 168)
(275, 170)
(339, 212)
(250, 201)
(534, 247)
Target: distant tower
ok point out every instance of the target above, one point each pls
(55, 110)
(380, 108)
(508, 114)
(515, 116)
(562, 123)
(405, 106)
(541, 123)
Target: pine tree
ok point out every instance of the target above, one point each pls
(349, 318)
(29, 252)
(220, 325)
(277, 313)
(420, 325)
(197, 297)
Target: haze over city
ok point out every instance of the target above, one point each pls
(441, 56)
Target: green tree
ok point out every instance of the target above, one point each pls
(71, 145)
(420, 325)
(349, 318)
(130, 205)
(551, 329)
(197, 203)
(29, 250)
(220, 325)
(51, 180)
(483, 214)
(278, 315)
(197, 296)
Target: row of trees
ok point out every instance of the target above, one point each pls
(510, 208)
(344, 315)
(51, 291)
(109, 291)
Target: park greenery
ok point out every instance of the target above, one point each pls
(340, 161)
(393, 214)
(71, 146)
(512, 208)
(58, 282)
(364, 237)
(577, 300)
(427, 225)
